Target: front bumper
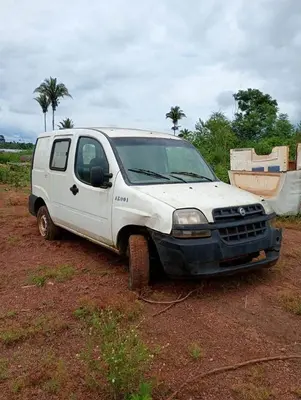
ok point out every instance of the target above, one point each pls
(212, 256)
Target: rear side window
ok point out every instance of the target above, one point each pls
(59, 154)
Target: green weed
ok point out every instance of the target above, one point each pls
(250, 391)
(291, 302)
(16, 175)
(9, 314)
(144, 392)
(116, 349)
(195, 351)
(17, 385)
(42, 325)
(59, 274)
(3, 369)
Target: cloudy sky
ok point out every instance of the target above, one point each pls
(127, 62)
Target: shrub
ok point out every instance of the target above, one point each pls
(117, 349)
(17, 175)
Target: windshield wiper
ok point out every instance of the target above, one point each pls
(192, 174)
(179, 179)
(148, 172)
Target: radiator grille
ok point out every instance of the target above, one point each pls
(240, 231)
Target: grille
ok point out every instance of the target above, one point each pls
(242, 232)
(231, 214)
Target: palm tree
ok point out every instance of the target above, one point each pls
(44, 102)
(175, 114)
(66, 124)
(184, 132)
(53, 91)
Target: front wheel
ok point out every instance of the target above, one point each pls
(138, 262)
(47, 229)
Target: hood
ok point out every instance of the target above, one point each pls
(204, 196)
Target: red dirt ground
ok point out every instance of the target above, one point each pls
(232, 320)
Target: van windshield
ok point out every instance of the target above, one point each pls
(158, 161)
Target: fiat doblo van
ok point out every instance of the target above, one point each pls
(141, 193)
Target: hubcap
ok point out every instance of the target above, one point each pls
(43, 225)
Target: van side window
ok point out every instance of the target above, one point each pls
(89, 153)
(59, 154)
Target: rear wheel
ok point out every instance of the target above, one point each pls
(47, 229)
(138, 262)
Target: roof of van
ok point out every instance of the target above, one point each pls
(116, 132)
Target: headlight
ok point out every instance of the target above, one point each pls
(189, 217)
(267, 207)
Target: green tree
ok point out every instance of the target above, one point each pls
(256, 115)
(66, 124)
(283, 127)
(184, 133)
(214, 138)
(54, 92)
(44, 103)
(175, 114)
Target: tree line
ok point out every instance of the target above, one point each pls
(257, 123)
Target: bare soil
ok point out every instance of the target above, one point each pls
(230, 320)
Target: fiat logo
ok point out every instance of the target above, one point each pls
(242, 211)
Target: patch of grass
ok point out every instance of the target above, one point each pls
(257, 373)
(61, 273)
(86, 309)
(291, 302)
(50, 374)
(250, 391)
(195, 351)
(3, 369)
(16, 175)
(115, 350)
(17, 385)
(13, 335)
(12, 239)
(8, 314)
(52, 386)
(43, 325)
(37, 280)
(144, 392)
(289, 222)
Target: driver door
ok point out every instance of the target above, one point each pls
(88, 207)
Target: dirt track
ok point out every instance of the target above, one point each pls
(232, 320)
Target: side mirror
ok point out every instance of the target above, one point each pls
(99, 178)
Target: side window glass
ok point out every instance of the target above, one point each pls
(89, 153)
(59, 154)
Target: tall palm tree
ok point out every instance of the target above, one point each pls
(44, 102)
(175, 114)
(66, 124)
(54, 92)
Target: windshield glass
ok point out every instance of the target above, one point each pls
(157, 161)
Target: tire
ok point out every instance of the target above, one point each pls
(47, 229)
(138, 262)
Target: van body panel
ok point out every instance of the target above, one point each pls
(133, 207)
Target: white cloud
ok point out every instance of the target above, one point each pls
(126, 63)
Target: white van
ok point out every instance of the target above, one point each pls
(142, 193)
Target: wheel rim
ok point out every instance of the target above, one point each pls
(43, 225)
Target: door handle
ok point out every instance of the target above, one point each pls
(74, 189)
